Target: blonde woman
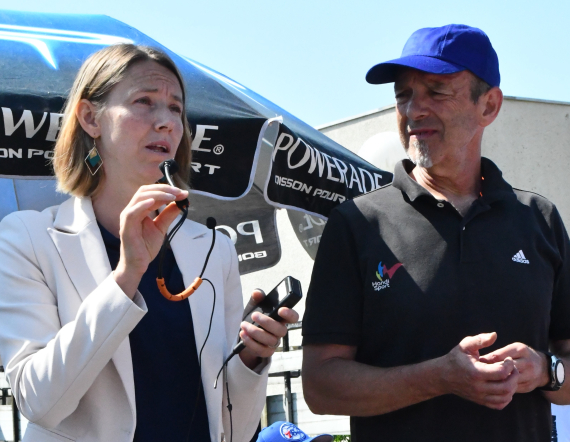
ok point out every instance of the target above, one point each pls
(92, 350)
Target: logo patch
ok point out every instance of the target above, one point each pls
(291, 432)
(519, 257)
(384, 274)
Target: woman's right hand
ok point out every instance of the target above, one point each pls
(142, 234)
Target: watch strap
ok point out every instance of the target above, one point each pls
(553, 384)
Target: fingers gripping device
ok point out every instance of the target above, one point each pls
(169, 168)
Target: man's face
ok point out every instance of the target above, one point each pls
(437, 120)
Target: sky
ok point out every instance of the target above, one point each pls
(310, 56)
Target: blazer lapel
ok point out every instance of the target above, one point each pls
(80, 245)
(78, 239)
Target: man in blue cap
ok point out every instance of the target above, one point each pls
(445, 312)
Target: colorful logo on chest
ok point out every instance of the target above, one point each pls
(384, 274)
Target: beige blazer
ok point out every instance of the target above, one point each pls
(64, 326)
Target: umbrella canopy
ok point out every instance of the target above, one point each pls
(244, 146)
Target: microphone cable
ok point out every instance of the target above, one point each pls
(229, 407)
(236, 350)
(169, 167)
(199, 387)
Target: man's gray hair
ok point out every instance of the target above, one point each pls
(478, 88)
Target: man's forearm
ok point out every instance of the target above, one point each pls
(347, 387)
(334, 383)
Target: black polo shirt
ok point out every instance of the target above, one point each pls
(404, 277)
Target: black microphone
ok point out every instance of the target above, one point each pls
(211, 223)
(172, 166)
(169, 168)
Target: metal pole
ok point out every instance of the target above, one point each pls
(16, 420)
(287, 379)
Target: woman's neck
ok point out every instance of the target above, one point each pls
(109, 202)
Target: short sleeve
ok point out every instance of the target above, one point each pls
(560, 311)
(333, 313)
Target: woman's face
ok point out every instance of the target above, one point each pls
(141, 124)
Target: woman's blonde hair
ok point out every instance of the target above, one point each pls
(96, 78)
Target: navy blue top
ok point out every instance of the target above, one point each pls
(165, 358)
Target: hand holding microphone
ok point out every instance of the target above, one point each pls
(265, 321)
(142, 236)
(260, 338)
(168, 168)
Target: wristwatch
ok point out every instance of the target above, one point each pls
(555, 369)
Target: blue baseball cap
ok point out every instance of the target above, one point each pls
(286, 431)
(444, 50)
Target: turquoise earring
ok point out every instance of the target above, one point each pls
(93, 159)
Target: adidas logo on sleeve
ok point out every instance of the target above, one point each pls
(519, 257)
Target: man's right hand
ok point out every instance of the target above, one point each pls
(491, 385)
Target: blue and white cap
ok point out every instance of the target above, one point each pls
(286, 431)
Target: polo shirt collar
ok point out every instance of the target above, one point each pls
(494, 186)
(407, 184)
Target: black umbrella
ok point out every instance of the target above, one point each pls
(245, 149)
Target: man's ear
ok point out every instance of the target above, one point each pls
(491, 103)
(86, 113)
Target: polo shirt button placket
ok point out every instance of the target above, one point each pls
(462, 234)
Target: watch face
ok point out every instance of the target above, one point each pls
(560, 372)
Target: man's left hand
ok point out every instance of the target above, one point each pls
(530, 363)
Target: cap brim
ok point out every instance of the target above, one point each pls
(386, 72)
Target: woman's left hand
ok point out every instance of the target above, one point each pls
(262, 342)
